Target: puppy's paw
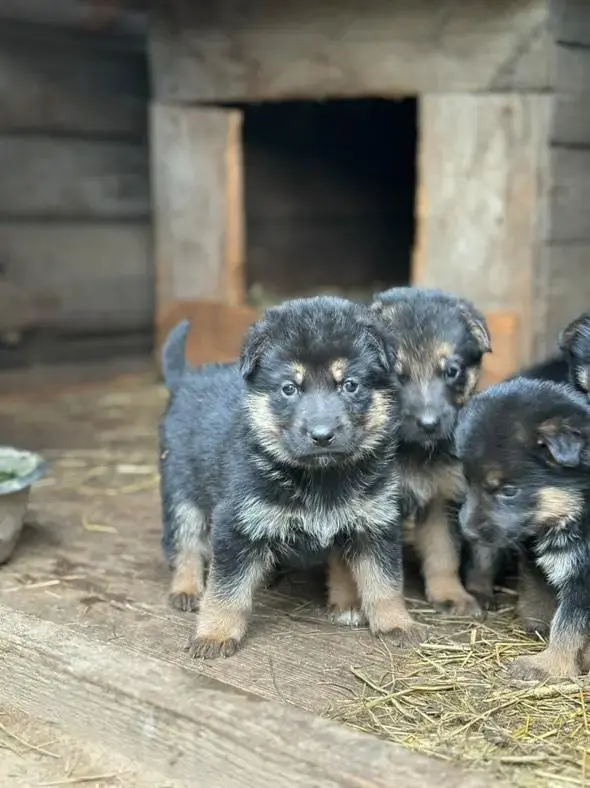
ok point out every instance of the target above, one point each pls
(185, 602)
(540, 667)
(535, 627)
(206, 648)
(349, 617)
(408, 636)
(484, 597)
(460, 605)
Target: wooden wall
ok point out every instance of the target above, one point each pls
(567, 278)
(75, 236)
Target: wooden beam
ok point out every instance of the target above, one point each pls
(81, 277)
(260, 50)
(55, 83)
(482, 204)
(198, 207)
(45, 178)
(184, 725)
(216, 332)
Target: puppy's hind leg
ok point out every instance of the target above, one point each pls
(191, 550)
(440, 558)
(343, 597)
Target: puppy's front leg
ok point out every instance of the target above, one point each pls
(238, 567)
(376, 564)
(440, 561)
(537, 602)
(570, 629)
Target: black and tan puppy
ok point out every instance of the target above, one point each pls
(290, 455)
(439, 341)
(525, 448)
(573, 365)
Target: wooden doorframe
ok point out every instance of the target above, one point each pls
(481, 207)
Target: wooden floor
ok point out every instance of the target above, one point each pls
(90, 562)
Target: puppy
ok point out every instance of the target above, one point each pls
(573, 365)
(525, 448)
(186, 536)
(290, 455)
(439, 341)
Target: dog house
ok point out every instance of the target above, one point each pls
(450, 150)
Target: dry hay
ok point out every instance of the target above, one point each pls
(450, 698)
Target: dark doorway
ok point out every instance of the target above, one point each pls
(329, 194)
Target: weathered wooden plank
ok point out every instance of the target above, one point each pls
(56, 85)
(81, 278)
(126, 18)
(570, 21)
(51, 178)
(570, 195)
(185, 725)
(198, 205)
(503, 361)
(257, 50)
(482, 202)
(569, 287)
(217, 329)
(571, 119)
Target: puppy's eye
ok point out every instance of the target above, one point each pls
(350, 386)
(453, 370)
(403, 378)
(508, 491)
(289, 389)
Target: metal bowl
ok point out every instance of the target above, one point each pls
(25, 468)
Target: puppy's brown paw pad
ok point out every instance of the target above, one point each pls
(464, 605)
(187, 603)
(349, 617)
(204, 648)
(408, 636)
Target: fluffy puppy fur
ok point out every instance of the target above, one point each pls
(573, 365)
(439, 341)
(290, 455)
(525, 448)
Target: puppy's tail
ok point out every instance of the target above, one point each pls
(174, 355)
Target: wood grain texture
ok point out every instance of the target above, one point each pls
(46, 178)
(126, 17)
(83, 277)
(504, 360)
(571, 118)
(257, 50)
(54, 83)
(570, 195)
(482, 203)
(570, 21)
(183, 725)
(198, 205)
(568, 286)
(217, 329)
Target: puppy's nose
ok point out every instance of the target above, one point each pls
(428, 421)
(322, 435)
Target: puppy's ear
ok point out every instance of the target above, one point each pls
(477, 325)
(378, 343)
(562, 442)
(253, 346)
(568, 336)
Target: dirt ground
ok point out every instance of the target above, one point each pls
(89, 558)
